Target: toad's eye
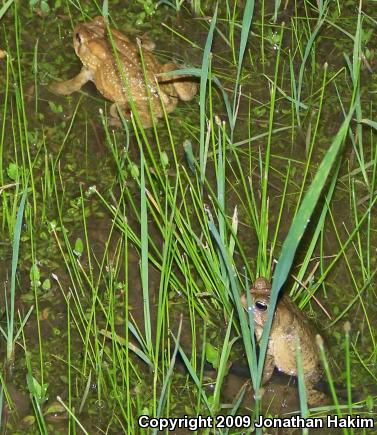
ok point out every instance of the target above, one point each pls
(261, 306)
(78, 37)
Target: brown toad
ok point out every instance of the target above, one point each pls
(288, 326)
(121, 77)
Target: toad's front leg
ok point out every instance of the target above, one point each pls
(268, 369)
(69, 86)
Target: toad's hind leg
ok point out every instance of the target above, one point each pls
(183, 84)
(143, 114)
(69, 86)
(315, 397)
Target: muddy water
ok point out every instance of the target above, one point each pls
(86, 160)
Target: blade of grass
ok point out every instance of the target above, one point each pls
(321, 21)
(169, 374)
(226, 348)
(15, 253)
(330, 379)
(194, 376)
(237, 403)
(301, 385)
(245, 31)
(248, 337)
(202, 94)
(4, 8)
(144, 255)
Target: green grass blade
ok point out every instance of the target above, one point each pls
(169, 374)
(193, 375)
(15, 252)
(276, 9)
(246, 23)
(237, 403)
(4, 8)
(120, 340)
(203, 93)
(144, 254)
(247, 336)
(321, 21)
(301, 385)
(221, 372)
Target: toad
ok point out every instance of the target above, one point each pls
(125, 75)
(288, 326)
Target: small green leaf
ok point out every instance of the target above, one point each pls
(105, 10)
(45, 8)
(46, 285)
(56, 108)
(79, 247)
(35, 275)
(370, 403)
(141, 18)
(164, 159)
(212, 355)
(36, 389)
(134, 170)
(12, 171)
(187, 146)
(55, 408)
